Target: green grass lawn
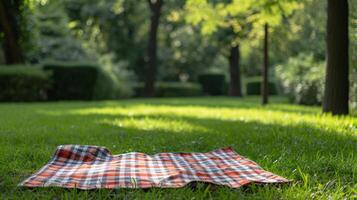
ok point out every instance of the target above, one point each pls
(318, 152)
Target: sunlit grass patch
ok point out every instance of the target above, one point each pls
(150, 124)
(267, 115)
(317, 151)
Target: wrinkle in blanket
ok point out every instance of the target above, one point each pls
(92, 167)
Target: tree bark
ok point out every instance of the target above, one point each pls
(337, 83)
(234, 70)
(264, 85)
(11, 46)
(151, 67)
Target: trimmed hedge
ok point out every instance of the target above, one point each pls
(254, 88)
(171, 89)
(23, 83)
(72, 81)
(177, 89)
(213, 84)
(81, 81)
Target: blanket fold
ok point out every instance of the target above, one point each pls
(92, 167)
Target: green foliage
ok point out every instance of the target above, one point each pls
(178, 89)
(72, 81)
(303, 79)
(90, 30)
(305, 29)
(117, 79)
(184, 53)
(213, 84)
(54, 40)
(111, 27)
(83, 81)
(23, 83)
(120, 28)
(238, 14)
(172, 89)
(253, 86)
(20, 18)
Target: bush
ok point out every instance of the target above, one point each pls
(213, 84)
(120, 78)
(23, 83)
(72, 81)
(81, 81)
(171, 89)
(253, 86)
(177, 89)
(302, 78)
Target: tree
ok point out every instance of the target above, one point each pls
(54, 38)
(337, 83)
(270, 15)
(112, 28)
(151, 67)
(244, 18)
(265, 89)
(221, 19)
(10, 12)
(183, 54)
(235, 88)
(352, 6)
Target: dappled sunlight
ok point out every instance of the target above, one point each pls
(182, 76)
(150, 124)
(287, 142)
(264, 115)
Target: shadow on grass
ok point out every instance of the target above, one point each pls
(276, 103)
(252, 137)
(294, 151)
(201, 190)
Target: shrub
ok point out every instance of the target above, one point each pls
(23, 83)
(253, 86)
(120, 78)
(72, 81)
(171, 89)
(213, 84)
(178, 89)
(81, 81)
(302, 78)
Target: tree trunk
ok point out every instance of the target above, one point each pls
(234, 70)
(151, 68)
(264, 85)
(12, 50)
(337, 83)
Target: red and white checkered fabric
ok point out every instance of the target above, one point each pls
(90, 167)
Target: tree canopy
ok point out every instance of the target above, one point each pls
(194, 37)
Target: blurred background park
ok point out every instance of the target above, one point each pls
(182, 76)
(111, 49)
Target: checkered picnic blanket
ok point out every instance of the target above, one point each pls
(90, 167)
